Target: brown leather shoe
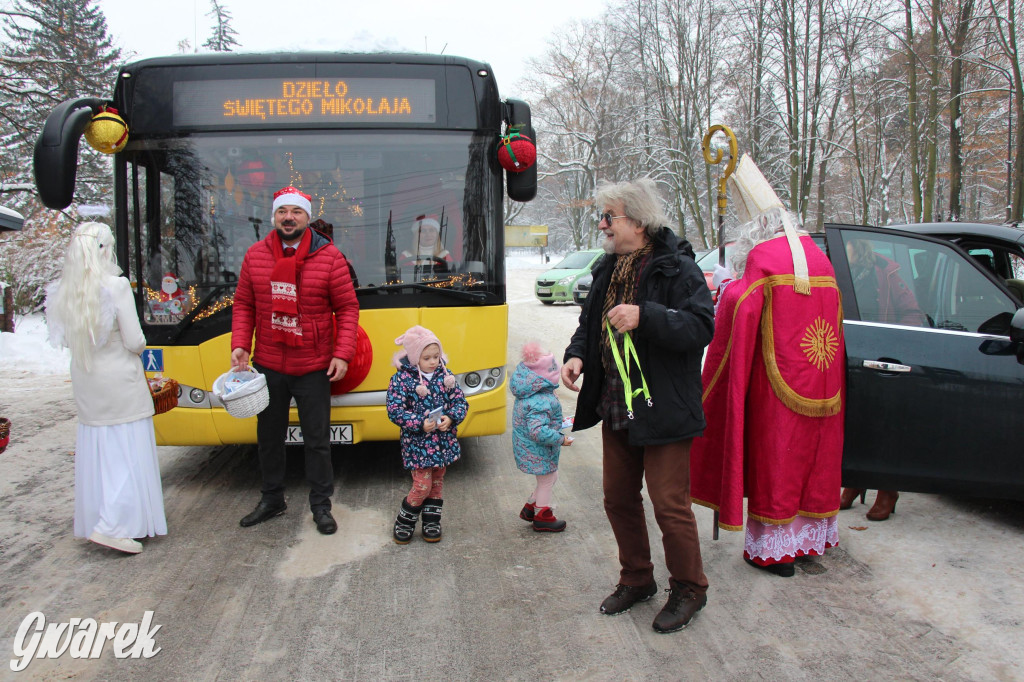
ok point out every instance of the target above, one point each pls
(680, 608)
(849, 495)
(885, 504)
(624, 596)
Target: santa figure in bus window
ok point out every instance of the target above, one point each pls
(427, 253)
(171, 294)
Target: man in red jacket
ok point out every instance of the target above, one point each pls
(295, 291)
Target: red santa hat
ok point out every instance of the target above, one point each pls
(290, 196)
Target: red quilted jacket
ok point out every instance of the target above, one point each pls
(326, 296)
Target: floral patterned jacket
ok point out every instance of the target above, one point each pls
(536, 420)
(407, 409)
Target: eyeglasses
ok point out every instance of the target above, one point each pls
(608, 217)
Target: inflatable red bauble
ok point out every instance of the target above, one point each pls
(359, 368)
(516, 152)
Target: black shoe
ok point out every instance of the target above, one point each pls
(263, 511)
(325, 523)
(680, 608)
(432, 519)
(624, 596)
(405, 524)
(781, 570)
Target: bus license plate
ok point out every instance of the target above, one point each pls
(341, 434)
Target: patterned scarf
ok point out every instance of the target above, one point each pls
(621, 289)
(284, 289)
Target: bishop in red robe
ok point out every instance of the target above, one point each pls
(774, 393)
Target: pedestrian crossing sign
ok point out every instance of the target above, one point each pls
(153, 359)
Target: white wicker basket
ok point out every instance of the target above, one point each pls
(248, 400)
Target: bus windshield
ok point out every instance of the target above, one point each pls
(397, 204)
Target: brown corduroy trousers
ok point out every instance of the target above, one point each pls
(667, 469)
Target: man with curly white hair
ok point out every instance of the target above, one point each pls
(644, 326)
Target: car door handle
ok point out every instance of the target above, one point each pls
(886, 366)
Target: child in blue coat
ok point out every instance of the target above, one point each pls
(423, 385)
(536, 438)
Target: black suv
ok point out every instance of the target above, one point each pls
(934, 391)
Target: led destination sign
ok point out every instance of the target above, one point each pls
(329, 100)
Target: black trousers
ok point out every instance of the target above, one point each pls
(312, 393)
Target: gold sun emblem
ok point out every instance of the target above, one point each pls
(820, 344)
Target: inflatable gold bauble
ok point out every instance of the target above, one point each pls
(107, 132)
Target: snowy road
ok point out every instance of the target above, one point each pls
(933, 593)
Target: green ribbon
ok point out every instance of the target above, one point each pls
(629, 350)
(507, 142)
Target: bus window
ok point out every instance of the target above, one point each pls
(216, 193)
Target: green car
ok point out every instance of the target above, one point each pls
(556, 284)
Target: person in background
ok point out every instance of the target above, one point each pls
(774, 388)
(91, 310)
(536, 436)
(882, 296)
(425, 401)
(649, 293)
(427, 255)
(295, 292)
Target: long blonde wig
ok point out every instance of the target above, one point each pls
(75, 308)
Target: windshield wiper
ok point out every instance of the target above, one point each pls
(187, 321)
(475, 296)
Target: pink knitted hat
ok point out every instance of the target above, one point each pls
(414, 340)
(541, 362)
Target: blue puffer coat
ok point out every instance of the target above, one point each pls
(536, 419)
(407, 409)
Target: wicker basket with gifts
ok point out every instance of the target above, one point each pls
(244, 392)
(165, 393)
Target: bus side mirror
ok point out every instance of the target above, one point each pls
(521, 186)
(55, 162)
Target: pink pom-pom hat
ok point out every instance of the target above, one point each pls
(541, 362)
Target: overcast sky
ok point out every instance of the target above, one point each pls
(504, 34)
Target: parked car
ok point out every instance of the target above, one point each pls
(581, 289)
(934, 395)
(556, 284)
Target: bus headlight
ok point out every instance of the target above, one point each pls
(197, 395)
(481, 381)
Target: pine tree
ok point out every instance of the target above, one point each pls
(223, 37)
(54, 50)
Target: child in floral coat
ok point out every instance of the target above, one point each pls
(422, 384)
(536, 439)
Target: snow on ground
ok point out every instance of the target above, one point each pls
(28, 350)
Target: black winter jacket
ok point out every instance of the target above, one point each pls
(677, 320)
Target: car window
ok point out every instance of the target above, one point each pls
(908, 281)
(709, 260)
(576, 261)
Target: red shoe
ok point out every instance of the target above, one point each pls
(527, 514)
(544, 521)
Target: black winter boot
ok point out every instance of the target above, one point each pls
(405, 524)
(432, 519)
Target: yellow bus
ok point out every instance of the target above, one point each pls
(381, 142)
